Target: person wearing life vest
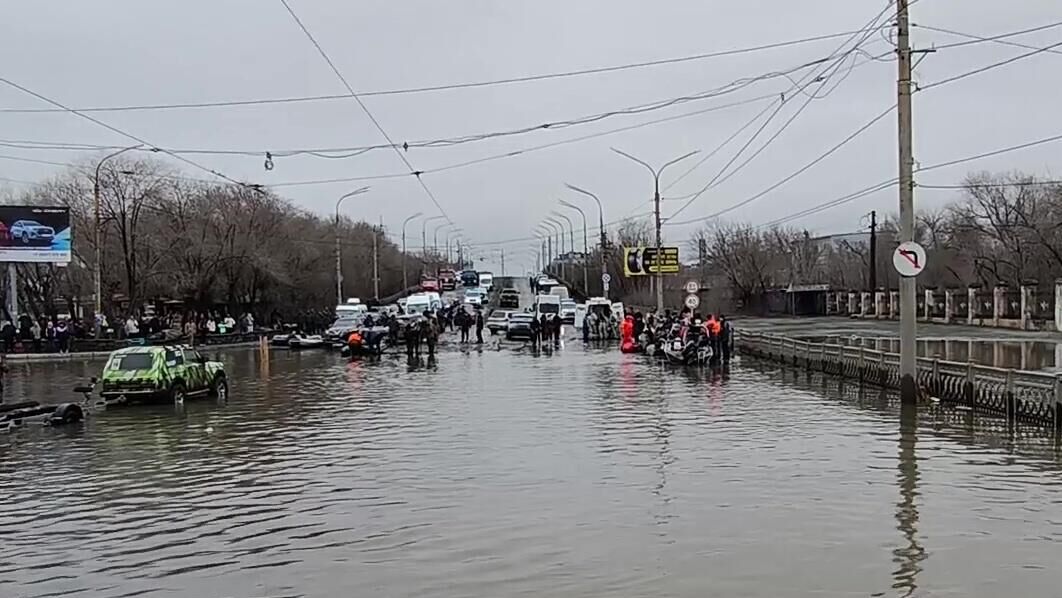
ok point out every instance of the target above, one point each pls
(627, 341)
(354, 342)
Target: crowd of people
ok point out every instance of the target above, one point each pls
(638, 331)
(54, 335)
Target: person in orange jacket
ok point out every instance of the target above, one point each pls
(627, 342)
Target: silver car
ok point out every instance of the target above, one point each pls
(29, 231)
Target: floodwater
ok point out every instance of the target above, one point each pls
(501, 473)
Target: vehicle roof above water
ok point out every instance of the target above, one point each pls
(146, 349)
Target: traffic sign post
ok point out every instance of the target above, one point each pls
(909, 259)
(605, 279)
(692, 287)
(692, 301)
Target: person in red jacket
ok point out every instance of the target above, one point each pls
(627, 341)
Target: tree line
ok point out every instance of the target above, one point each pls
(200, 245)
(1003, 228)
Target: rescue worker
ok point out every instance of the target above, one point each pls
(412, 337)
(627, 342)
(726, 337)
(536, 332)
(714, 329)
(429, 331)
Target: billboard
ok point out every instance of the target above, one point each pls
(38, 234)
(642, 261)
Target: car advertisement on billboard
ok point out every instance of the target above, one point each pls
(38, 234)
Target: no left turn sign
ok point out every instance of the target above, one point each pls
(909, 259)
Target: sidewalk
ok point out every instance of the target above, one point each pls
(88, 355)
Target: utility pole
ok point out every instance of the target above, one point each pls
(873, 251)
(659, 276)
(376, 261)
(503, 262)
(908, 303)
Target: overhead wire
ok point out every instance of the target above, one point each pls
(867, 31)
(451, 86)
(851, 137)
(999, 39)
(889, 183)
(416, 173)
(123, 133)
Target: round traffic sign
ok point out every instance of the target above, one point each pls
(606, 277)
(692, 301)
(909, 259)
(692, 286)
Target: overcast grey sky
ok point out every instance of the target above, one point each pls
(121, 52)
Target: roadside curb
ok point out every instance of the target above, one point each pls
(76, 356)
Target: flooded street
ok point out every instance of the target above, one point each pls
(502, 473)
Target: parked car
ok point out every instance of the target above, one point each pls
(498, 321)
(509, 298)
(519, 326)
(170, 372)
(31, 231)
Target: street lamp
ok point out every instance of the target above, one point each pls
(446, 242)
(424, 233)
(98, 274)
(586, 250)
(339, 251)
(604, 234)
(405, 275)
(571, 228)
(435, 239)
(656, 202)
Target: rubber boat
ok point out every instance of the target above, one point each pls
(306, 341)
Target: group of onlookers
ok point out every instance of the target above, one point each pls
(53, 335)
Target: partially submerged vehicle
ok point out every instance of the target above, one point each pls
(168, 373)
(305, 341)
(17, 415)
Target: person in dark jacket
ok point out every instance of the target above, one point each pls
(464, 322)
(536, 333)
(412, 337)
(479, 326)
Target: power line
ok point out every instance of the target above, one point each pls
(416, 173)
(859, 131)
(866, 126)
(886, 184)
(992, 185)
(450, 86)
(120, 132)
(348, 152)
(989, 67)
(866, 32)
(999, 39)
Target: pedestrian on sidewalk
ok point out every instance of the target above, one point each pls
(35, 333)
(49, 336)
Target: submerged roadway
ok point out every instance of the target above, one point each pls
(501, 472)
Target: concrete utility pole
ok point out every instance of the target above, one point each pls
(873, 251)
(405, 275)
(424, 235)
(339, 249)
(376, 261)
(908, 302)
(659, 276)
(503, 262)
(604, 236)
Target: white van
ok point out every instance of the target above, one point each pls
(560, 291)
(352, 306)
(547, 304)
(486, 280)
(418, 304)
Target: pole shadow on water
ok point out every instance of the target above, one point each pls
(909, 555)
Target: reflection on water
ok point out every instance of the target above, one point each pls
(910, 552)
(501, 473)
(1024, 355)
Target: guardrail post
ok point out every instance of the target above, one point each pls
(1057, 423)
(1009, 392)
(822, 357)
(935, 377)
(968, 386)
(862, 362)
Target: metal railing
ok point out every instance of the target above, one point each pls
(1016, 394)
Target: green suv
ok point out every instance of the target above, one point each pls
(161, 373)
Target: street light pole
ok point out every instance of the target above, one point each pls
(339, 250)
(586, 250)
(656, 203)
(604, 235)
(405, 275)
(424, 234)
(97, 277)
